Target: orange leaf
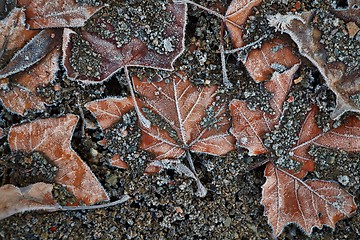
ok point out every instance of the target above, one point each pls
(311, 203)
(52, 137)
(345, 137)
(237, 14)
(33, 197)
(57, 14)
(273, 56)
(249, 125)
(186, 108)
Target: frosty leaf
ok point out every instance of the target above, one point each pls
(33, 197)
(249, 125)
(311, 203)
(110, 110)
(20, 94)
(307, 37)
(237, 13)
(345, 137)
(116, 161)
(35, 50)
(57, 14)
(13, 35)
(272, 56)
(199, 123)
(114, 39)
(52, 137)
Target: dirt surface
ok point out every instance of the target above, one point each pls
(164, 206)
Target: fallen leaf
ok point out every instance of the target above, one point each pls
(310, 203)
(200, 123)
(33, 197)
(350, 13)
(118, 36)
(274, 55)
(235, 18)
(2, 133)
(248, 126)
(116, 161)
(52, 137)
(307, 38)
(57, 14)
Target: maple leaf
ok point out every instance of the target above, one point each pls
(248, 126)
(52, 137)
(199, 124)
(311, 203)
(57, 14)
(30, 60)
(113, 39)
(307, 37)
(33, 197)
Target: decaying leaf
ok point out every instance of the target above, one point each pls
(33, 197)
(351, 12)
(248, 126)
(311, 203)
(238, 12)
(116, 161)
(52, 137)
(114, 39)
(57, 14)
(307, 37)
(272, 56)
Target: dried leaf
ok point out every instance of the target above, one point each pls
(57, 14)
(237, 14)
(116, 161)
(110, 43)
(345, 137)
(307, 37)
(351, 13)
(33, 197)
(52, 137)
(199, 124)
(311, 203)
(249, 125)
(274, 55)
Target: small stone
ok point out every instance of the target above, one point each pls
(343, 180)
(352, 29)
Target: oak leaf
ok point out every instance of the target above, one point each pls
(57, 14)
(33, 197)
(311, 203)
(114, 38)
(52, 137)
(307, 37)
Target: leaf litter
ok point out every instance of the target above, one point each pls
(307, 81)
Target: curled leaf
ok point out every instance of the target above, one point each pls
(52, 137)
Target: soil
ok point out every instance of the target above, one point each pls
(164, 206)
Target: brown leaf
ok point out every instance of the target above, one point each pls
(52, 137)
(2, 133)
(274, 55)
(311, 203)
(307, 37)
(107, 47)
(350, 13)
(57, 14)
(248, 126)
(116, 161)
(345, 137)
(186, 108)
(33, 197)
(237, 14)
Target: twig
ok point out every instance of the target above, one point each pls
(226, 81)
(122, 199)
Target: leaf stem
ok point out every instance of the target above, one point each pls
(122, 199)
